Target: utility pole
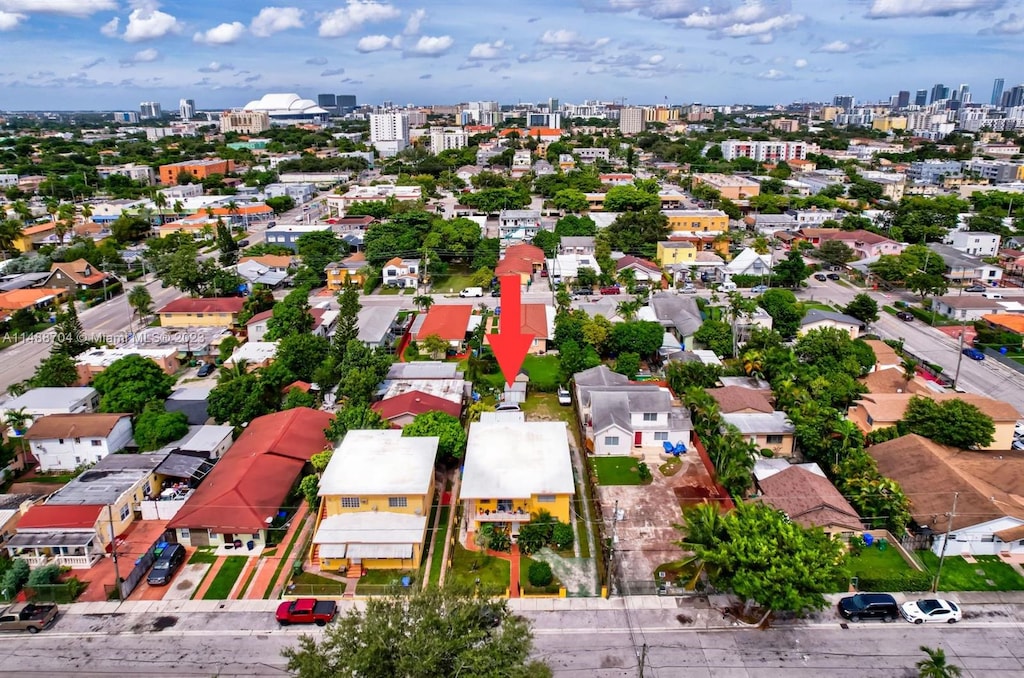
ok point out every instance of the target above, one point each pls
(960, 355)
(945, 542)
(113, 550)
(643, 660)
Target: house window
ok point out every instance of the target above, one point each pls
(611, 440)
(60, 441)
(78, 441)
(350, 502)
(125, 511)
(398, 502)
(661, 435)
(96, 443)
(184, 533)
(650, 416)
(545, 499)
(988, 538)
(774, 440)
(871, 420)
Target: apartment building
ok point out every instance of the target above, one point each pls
(244, 122)
(729, 186)
(631, 120)
(767, 151)
(200, 169)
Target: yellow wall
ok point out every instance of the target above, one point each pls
(676, 255)
(559, 508)
(417, 504)
(336, 280)
(198, 319)
(783, 449)
(698, 222)
(129, 499)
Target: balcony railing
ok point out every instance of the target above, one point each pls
(503, 516)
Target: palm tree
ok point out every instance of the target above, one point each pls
(141, 300)
(22, 210)
(16, 421)
(627, 277)
(423, 302)
(66, 222)
(86, 212)
(909, 367)
(704, 530)
(160, 200)
(233, 211)
(628, 309)
(11, 231)
(753, 363)
(178, 208)
(237, 369)
(846, 436)
(936, 665)
(51, 209)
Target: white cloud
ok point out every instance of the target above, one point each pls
(353, 15)
(272, 20)
(800, 63)
(847, 46)
(373, 43)
(76, 8)
(1011, 25)
(216, 67)
(148, 23)
(430, 46)
(890, 9)
(140, 57)
(773, 74)
(741, 30)
(412, 26)
(571, 42)
(559, 37)
(752, 18)
(10, 20)
(110, 28)
(656, 59)
(224, 34)
(489, 50)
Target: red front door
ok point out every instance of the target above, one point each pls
(638, 438)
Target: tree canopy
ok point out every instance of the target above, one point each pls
(130, 383)
(449, 429)
(156, 426)
(950, 422)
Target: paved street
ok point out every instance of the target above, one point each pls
(597, 644)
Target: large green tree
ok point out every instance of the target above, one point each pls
(320, 248)
(130, 383)
(69, 338)
(763, 557)
(156, 427)
(291, 316)
(242, 399)
(354, 417)
(781, 305)
(950, 422)
(638, 232)
(863, 308)
(58, 369)
(452, 443)
(301, 354)
(643, 337)
(630, 199)
(430, 633)
(792, 270)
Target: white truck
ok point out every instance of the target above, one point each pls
(472, 292)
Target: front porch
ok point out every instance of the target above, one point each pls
(76, 550)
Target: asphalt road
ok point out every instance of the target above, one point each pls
(591, 644)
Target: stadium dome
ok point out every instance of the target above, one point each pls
(286, 106)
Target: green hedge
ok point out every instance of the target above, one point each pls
(904, 581)
(742, 280)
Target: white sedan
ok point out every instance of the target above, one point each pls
(931, 610)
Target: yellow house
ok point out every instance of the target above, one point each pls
(375, 496)
(349, 271)
(31, 236)
(697, 221)
(881, 410)
(676, 252)
(211, 312)
(513, 470)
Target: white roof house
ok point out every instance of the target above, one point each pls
(380, 463)
(749, 262)
(517, 460)
(369, 534)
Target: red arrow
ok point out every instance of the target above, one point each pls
(510, 345)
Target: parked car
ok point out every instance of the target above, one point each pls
(28, 617)
(973, 353)
(167, 563)
(243, 243)
(563, 396)
(495, 291)
(472, 292)
(931, 610)
(832, 276)
(306, 611)
(820, 277)
(610, 290)
(905, 316)
(975, 288)
(205, 370)
(1018, 444)
(869, 606)
(759, 289)
(689, 289)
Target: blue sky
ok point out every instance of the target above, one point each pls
(112, 54)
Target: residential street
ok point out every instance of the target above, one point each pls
(598, 643)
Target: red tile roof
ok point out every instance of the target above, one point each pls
(450, 322)
(262, 315)
(76, 270)
(61, 516)
(520, 259)
(636, 261)
(415, 402)
(251, 481)
(201, 305)
(534, 320)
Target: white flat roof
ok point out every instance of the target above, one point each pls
(378, 463)
(254, 351)
(371, 527)
(517, 460)
(50, 397)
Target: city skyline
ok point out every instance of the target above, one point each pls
(112, 55)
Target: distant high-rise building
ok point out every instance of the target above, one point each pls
(939, 92)
(552, 105)
(903, 99)
(1013, 97)
(187, 109)
(346, 103)
(997, 91)
(921, 98)
(844, 102)
(149, 110)
(631, 120)
(389, 127)
(126, 116)
(328, 102)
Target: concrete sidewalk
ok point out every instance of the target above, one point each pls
(967, 598)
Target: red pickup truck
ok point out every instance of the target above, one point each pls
(306, 611)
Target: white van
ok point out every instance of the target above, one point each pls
(727, 286)
(472, 292)
(992, 295)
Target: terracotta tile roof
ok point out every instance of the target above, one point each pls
(61, 517)
(629, 259)
(884, 353)
(449, 322)
(737, 399)
(251, 481)
(303, 386)
(892, 381)
(534, 320)
(16, 299)
(397, 261)
(262, 315)
(415, 402)
(1012, 322)
(859, 235)
(808, 499)
(40, 228)
(270, 260)
(207, 305)
(85, 425)
(80, 271)
(520, 259)
(890, 407)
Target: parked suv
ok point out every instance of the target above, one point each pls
(167, 563)
(869, 606)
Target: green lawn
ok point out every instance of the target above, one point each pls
(543, 370)
(381, 581)
(225, 579)
(203, 554)
(384, 289)
(874, 562)
(440, 535)
(545, 407)
(524, 578)
(959, 575)
(616, 470)
(455, 280)
(468, 566)
(808, 305)
(582, 530)
(309, 584)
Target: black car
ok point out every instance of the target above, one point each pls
(869, 606)
(820, 277)
(832, 276)
(495, 291)
(167, 563)
(903, 315)
(205, 370)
